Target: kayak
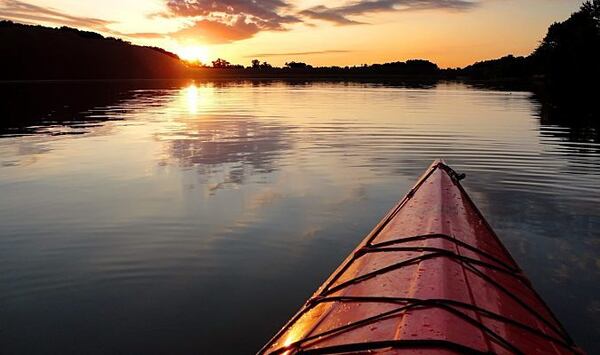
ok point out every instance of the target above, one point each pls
(431, 278)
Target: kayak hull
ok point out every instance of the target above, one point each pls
(432, 277)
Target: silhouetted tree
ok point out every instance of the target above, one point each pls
(298, 65)
(571, 49)
(255, 63)
(502, 68)
(567, 58)
(84, 34)
(163, 51)
(221, 63)
(422, 66)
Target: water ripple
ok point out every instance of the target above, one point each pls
(161, 203)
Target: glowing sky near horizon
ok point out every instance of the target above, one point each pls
(448, 32)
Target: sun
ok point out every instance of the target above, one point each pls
(194, 54)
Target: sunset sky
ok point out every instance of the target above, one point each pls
(340, 32)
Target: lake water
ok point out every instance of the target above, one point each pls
(160, 217)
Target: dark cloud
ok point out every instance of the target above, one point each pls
(299, 53)
(340, 14)
(23, 12)
(324, 13)
(265, 14)
(225, 21)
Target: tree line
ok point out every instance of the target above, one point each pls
(567, 55)
(413, 66)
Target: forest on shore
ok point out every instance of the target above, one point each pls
(567, 57)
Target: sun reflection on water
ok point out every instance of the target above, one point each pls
(197, 98)
(191, 95)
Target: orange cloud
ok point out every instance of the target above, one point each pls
(266, 14)
(218, 32)
(225, 21)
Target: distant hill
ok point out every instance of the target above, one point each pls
(38, 52)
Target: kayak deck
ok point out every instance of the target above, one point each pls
(432, 277)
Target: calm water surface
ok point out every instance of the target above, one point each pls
(197, 217)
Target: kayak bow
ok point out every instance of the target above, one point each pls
(432, 277)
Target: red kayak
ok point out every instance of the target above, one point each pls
(431, 278)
